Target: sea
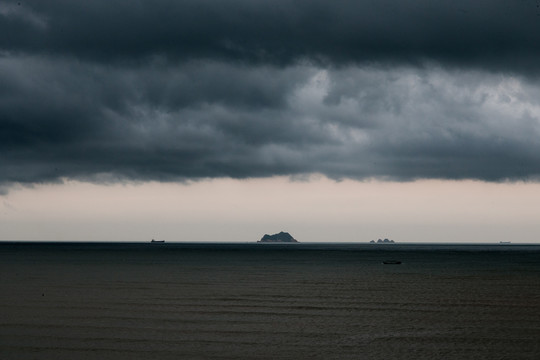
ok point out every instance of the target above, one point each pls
(62, 300)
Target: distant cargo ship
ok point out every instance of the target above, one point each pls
(157, 241)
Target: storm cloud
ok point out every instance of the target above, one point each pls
(498, 34)
(174, 91)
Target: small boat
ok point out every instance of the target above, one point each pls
(391, 262)
(157, 241)
(505, 242)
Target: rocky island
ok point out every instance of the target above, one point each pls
(385, 241)
(282, 237)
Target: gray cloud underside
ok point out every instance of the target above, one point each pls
(173, 91)
(208, 119)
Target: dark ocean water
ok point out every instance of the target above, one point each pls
(268, 301)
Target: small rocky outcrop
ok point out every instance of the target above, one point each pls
(282, 237)
(380, 241)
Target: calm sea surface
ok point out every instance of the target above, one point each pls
(268, 301)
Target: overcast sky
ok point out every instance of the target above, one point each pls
(206, 92)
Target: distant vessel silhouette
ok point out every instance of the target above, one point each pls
(157, 241)
(391, 262)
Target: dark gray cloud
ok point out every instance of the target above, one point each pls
(172, 91)
(499, 34)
